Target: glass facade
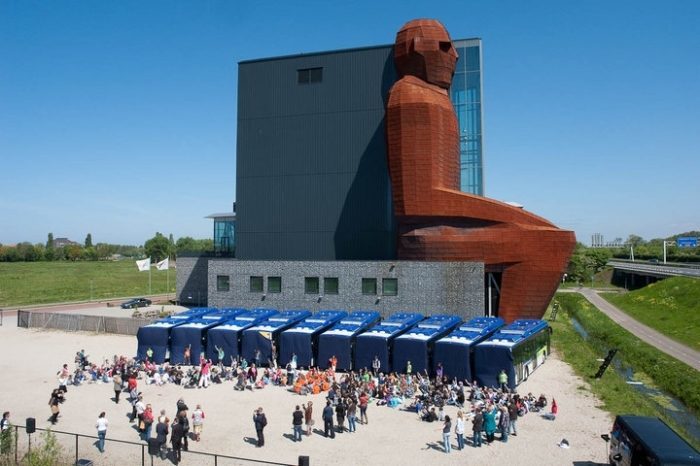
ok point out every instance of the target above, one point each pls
(224, 228)
(466, 96)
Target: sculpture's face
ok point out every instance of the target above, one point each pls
(424, 49)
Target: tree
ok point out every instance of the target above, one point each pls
(185, 244)
(172, 250)
(73, 252)
(88, 241)
(635, 240)
(157, 247)
(50, 253)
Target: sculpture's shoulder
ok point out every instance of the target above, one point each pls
(413, 89)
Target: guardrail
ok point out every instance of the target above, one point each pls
(85, 452)
(659, 270)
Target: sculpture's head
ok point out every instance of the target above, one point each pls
(424, 49)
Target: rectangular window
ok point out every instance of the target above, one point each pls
(256, 284)
(311, 285)
(330, 285)
(369, 286)
(274, 284)
(222, 283)
(390, 286)
(309, 75)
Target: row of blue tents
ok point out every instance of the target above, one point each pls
(354, 339)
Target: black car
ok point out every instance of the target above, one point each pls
(136, 302)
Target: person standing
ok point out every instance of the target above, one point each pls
(504, 423)
(340, 410)
(188, 355)
(176, 440)
(117, 381)
(197, 422)
(364, 402)
(446, 429)
(490, 423)
(63, 376)
(459, 429)
(5, 433)
(147, 422)
(101, 426)
(513, 417)
(54, 401)
(477, 427)
(503, 380)
(297, 420)
(376, 365)
(260, 422)
(162, 432)
(328, 420)
(352, 414)
(308, 417)
(409, 367)
(184, 421)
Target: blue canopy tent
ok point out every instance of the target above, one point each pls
(193, 333)
(416, 344)
(302, 339)
(339, 341)
(194, 312)
(518, 348)
(378, 340)
(227, 335)
(455, 351)
(156, 336)
(265, 335)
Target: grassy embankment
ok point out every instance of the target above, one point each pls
(23, 283)
(651, 366)
(670, 306)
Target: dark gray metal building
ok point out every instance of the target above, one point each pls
(312, 177)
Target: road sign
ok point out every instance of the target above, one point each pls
(686, 242)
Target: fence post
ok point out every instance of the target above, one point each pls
(76, 449)
(143, 457)
(16, 438)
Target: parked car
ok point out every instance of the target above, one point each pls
(638, 440)
(136, 302)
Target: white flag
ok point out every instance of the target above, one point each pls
(163, 265)
(144, 265)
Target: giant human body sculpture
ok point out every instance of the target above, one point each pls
(436, 221)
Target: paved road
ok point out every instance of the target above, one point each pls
(644, 333)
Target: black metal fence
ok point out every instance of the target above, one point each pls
(82, 449)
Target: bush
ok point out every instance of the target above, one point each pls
(47, 453)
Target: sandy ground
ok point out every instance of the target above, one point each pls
(31, 359)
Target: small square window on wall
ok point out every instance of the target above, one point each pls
(256, 284)
(330, 285)
(390, 286)
(222, 283)
(311, 285)
(369, 286)
(274, 284)
(309, 75)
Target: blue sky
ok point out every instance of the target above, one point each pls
(119, 118)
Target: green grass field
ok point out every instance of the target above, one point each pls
(652, 366)
(671, 306)
(23, 283)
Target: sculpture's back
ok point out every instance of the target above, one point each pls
(435, 220)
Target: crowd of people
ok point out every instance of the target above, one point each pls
(489, 410)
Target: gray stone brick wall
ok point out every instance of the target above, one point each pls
(191, 281)
(426, 287)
